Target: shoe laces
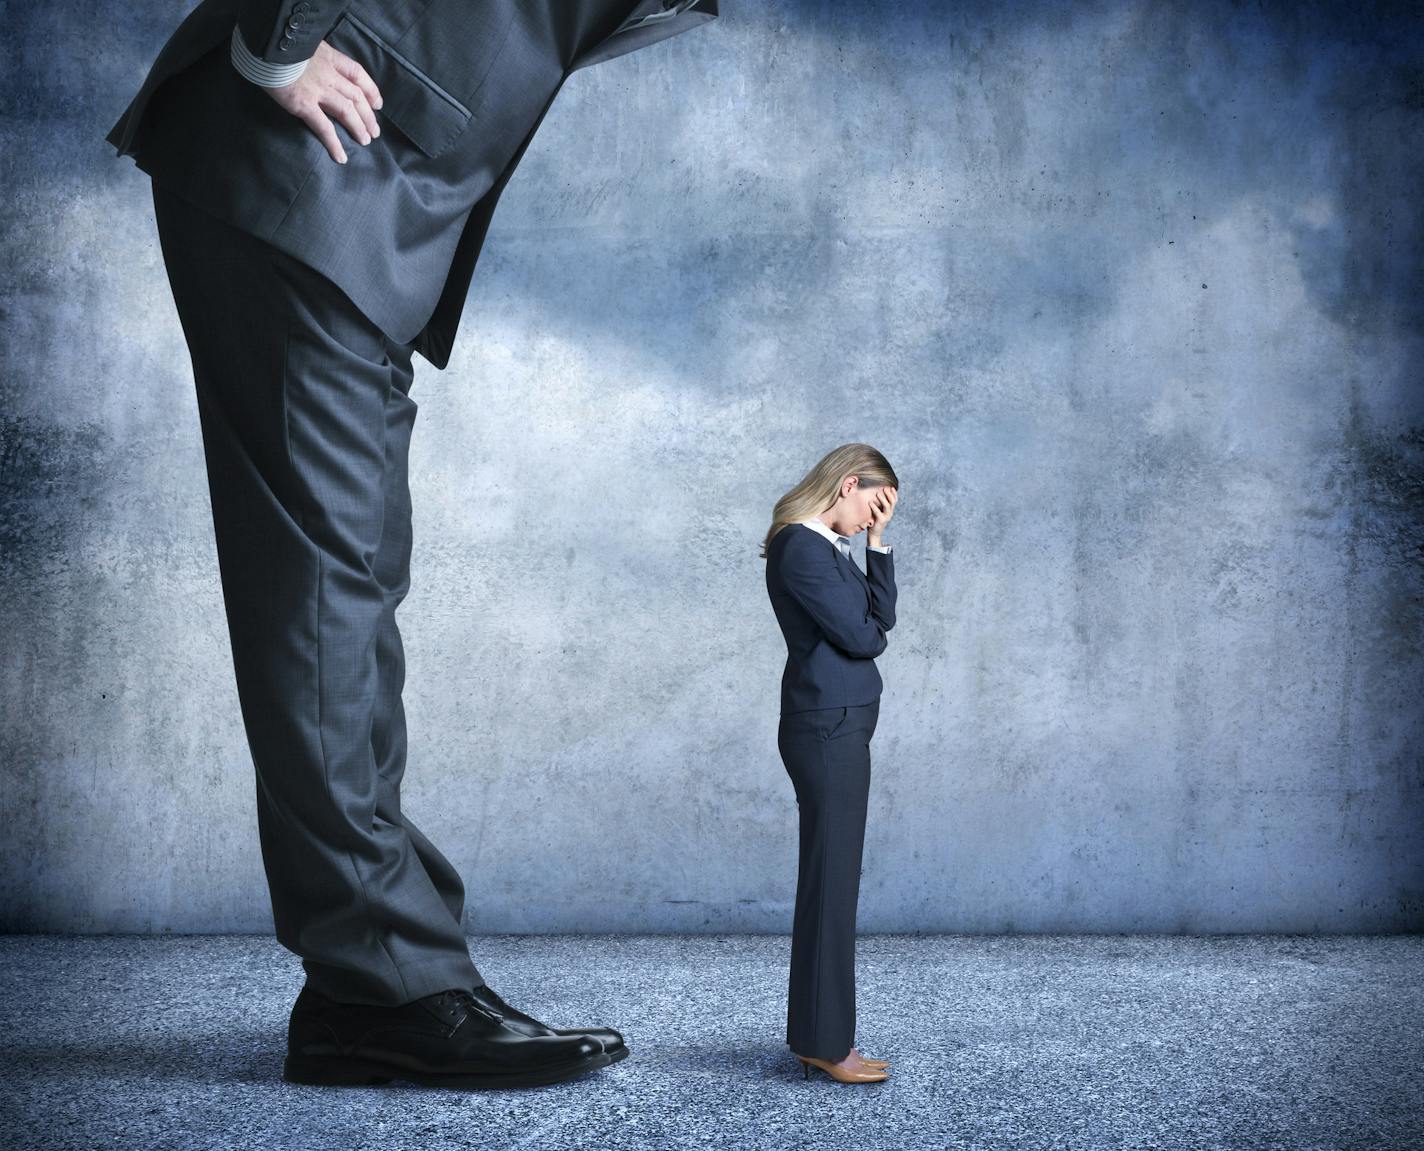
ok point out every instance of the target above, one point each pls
(463, 996)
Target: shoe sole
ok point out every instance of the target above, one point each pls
(348, 1071)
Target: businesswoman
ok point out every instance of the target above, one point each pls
(834, 620)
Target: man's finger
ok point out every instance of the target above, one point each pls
(343, 109)
(358, 75)
(324, 131)
(357, 96)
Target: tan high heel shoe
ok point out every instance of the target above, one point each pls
(868, 1061)
(841, 1074)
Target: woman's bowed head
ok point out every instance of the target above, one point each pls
(851, 489)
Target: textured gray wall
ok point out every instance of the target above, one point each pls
(1129, 294)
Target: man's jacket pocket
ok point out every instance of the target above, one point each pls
(420, 109)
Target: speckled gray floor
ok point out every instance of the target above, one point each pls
(999, 1041)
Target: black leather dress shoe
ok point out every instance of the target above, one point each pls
(443, 1040)
(526, 1024)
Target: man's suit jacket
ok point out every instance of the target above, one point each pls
(399, 227)
(834, 618)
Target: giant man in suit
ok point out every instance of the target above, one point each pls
(304, 286)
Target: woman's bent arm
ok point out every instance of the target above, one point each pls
(838, 607)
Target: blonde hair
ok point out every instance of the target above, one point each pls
(821, 486)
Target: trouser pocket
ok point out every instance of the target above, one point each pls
(836, 720)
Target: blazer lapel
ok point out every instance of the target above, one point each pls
(845, 560)
(841, 557)
(855, 567)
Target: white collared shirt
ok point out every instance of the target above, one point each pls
(815, 524)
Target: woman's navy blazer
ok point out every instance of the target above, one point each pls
(834, 618)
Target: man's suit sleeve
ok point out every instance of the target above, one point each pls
(287, 31)
(811, 577)
(648, 22)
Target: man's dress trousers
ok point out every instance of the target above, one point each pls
(306, 417)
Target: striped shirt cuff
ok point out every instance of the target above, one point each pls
(258, 70)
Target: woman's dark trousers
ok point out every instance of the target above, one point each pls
(827, 756)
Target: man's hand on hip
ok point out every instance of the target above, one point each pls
(332, 87)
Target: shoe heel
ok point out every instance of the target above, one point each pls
(330, 1073)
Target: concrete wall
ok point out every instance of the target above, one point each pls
(1130, 295)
